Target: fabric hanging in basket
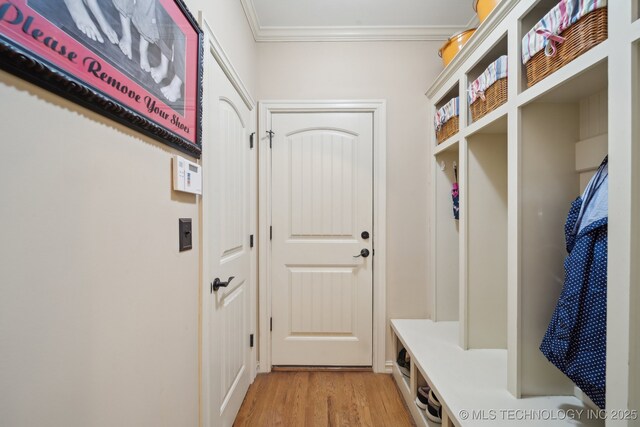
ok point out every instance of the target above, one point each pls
(494, 72)
(449, 110)
(455, 193)
(546, 33)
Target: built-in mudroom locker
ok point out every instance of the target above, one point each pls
(533, 112)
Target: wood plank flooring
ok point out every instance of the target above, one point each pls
(317, 399)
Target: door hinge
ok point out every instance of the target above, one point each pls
(271, 133)
(251, 241)
(271, 323)
(270, 232)
(251, 340)
(251, 140)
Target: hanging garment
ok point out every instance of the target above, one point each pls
(455, 193)
(575, 341)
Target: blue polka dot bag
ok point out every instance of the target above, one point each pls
(575, 341)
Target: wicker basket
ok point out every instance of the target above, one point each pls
(494, 96)
(588, 32)
(448, 129)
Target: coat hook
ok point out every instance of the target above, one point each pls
(443, 165)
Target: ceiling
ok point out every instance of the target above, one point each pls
(357, 20)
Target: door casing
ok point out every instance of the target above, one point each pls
(378, 108)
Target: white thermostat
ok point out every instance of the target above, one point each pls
(187, 176)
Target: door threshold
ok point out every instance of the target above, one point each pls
(321, 369)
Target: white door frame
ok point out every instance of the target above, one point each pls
(379, 110)
(215, 56)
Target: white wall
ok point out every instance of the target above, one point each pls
(99, 312)
(399, 72)
(229, 23)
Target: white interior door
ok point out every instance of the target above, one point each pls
(322, 204)
(227, 254)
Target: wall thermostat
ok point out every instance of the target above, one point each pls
(187, 176)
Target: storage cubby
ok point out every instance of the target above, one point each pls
(549, 185)
(424, 338)
(486, 281)
(527, 21)
(495, 52)
(445, 232)
(421, 382)
(453, 92)
(404, 382)
(469, 382)
(408, 386)
(564, 140)
(536, 12)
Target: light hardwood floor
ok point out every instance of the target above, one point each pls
(314, 399)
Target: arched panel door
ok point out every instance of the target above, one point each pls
(227, 255)
(322, 260)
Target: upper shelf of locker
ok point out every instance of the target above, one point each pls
(493, 22)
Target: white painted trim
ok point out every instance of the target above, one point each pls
(213, 45)
(379, 110)
(253, 230)
(474, 22)
(463, 222)
(264, 245)
(514, 223)
(623, 273)
(205, 303)
(432, 230)
(356, 33)
(346, 33)
(388, 367)
(214, 51)
(252, 17)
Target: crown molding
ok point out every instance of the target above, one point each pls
(341, 34)
(355, 34)
(252, 17)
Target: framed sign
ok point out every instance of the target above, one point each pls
(136, 61)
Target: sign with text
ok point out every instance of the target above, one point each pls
(136, 61)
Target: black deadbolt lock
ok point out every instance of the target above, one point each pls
(365, 235)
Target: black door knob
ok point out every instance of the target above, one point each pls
(363, 253)
(365, 235)
(217, 284)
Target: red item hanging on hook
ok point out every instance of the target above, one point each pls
(455, 193)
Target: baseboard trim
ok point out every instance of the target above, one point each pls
(388, 367)
(321, 369)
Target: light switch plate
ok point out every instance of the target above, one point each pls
(184, 227)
